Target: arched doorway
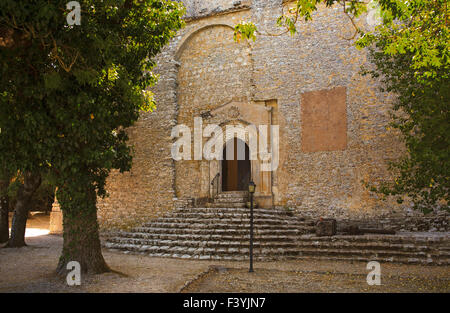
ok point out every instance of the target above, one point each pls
(236, 169)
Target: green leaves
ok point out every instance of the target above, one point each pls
(64, 90)
(149, 104)
(289, 23)
(419, 29)
(421, 114)
(52, 81)
(245, 31)
(86, 76)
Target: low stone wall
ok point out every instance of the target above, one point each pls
(403, 222)
(408, 223)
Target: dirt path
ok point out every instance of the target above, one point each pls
(302, 280)
(31, 268)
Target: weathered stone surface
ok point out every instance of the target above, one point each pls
(196, 9)
(56, 219)
(277, 236)
(326, 227)
(324, 120)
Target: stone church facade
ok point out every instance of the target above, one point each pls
(333, 122)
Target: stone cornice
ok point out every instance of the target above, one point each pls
(205, 13)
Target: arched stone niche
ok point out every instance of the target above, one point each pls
(184, 40)
(213, 69)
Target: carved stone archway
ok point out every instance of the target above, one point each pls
(239, 114)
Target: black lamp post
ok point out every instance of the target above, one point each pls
(251, 190)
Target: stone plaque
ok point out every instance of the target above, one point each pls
(324, 120)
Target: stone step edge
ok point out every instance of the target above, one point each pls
(293, 252)
(309, 237)
(269, 243)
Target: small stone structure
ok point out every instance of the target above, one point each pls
(326, 227)
(56, 218)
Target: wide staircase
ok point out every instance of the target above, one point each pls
(222, 233)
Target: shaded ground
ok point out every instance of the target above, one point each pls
(31, 268)
(301, 280)
(35, 220)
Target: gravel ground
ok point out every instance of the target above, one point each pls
(31, 269)
(301, 280)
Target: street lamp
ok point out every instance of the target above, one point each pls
(251, 190)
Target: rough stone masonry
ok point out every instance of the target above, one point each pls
(333, 121)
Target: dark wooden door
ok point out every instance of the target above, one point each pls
(235, 173)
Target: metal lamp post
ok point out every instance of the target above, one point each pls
(251, 190)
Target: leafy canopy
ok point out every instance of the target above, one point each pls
(421, 114)
(68, 92)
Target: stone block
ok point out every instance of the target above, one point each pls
(56, 222)
(326, 227)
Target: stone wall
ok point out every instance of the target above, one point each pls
(196, 9)
(319, 58)
(214, 69)
(203, 68)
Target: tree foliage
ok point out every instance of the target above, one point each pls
(421, 114)
(418, 29)
(67, 93)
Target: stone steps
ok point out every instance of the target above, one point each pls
(273, 243)
(208, 232)
(240, 216)
(256, 211)
(282, 252)
(226, 223)
(442, 239)
(223, 234)
(193, 237)
(220, 229)
(302, 241)
(233, 194)
(230, 199)
(225, 214)
(269, 254)
(234, 199)
(225, 205)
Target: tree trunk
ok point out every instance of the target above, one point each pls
(32, 181)
(4, 210)
(80, 231)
